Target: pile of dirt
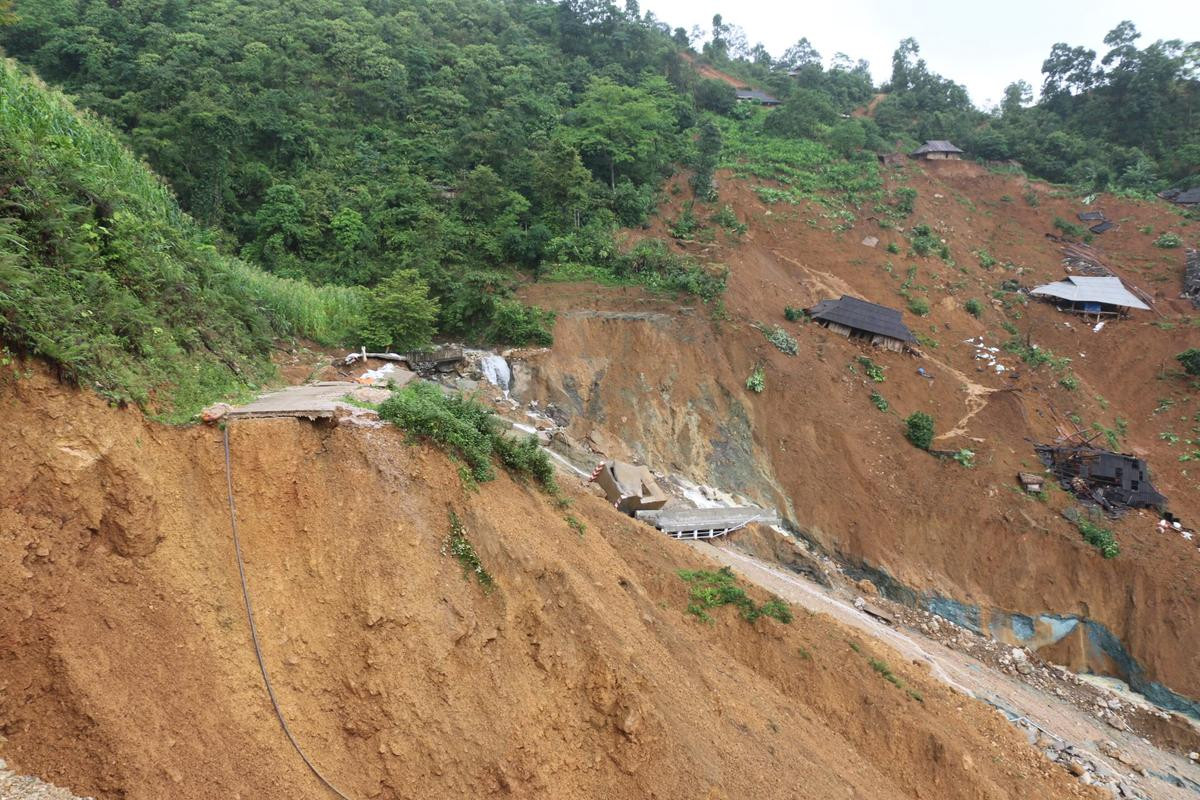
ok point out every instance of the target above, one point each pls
(128, 669)
(668, 382)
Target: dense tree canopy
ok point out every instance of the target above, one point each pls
(465, 141)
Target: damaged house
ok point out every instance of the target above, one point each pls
(1082, 294)
(855, 318)
(1191, 277)
(1114, 481)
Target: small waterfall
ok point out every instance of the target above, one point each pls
(497, 372)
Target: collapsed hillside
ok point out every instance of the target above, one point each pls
(645, 378)
(129, 671)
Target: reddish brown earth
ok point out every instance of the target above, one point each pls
(648, 378)
(126, 667)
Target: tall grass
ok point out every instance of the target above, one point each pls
(104, 275)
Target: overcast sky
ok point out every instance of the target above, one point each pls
(984, 47)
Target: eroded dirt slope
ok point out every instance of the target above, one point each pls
(128, 669)
(648, 379)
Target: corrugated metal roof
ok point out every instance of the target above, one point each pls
(1181, 195)
(755, 94)
(936, 146)
(863, 316)
(1084, 289)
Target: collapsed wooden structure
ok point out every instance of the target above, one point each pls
(1113, 481)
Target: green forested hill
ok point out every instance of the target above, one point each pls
(342, 140)
(102, 274)
(440, 152)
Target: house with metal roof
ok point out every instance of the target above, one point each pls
(854, 318)
(1083, 294)
(1183, 197)
(755, 96)
(937, 150)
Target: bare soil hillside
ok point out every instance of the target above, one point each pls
(665, 383)
(128, 672)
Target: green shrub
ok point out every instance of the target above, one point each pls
(757, 380)
(973, 307)
(714, 589)
(515, 323)
(1100, 537)
(906, 200)
(523, 456)
(893, 248)
(918, 429)
(685, 224)
(1168, 240)
(1069, 228)
(1146, 229)
(400, 315)
(794, 314)
(924, 241)
(1069, 382)
(966, 458)
(470, 431)
(456, 422)
(1190, 359)
(919, 306)
(879, 401)
(873, 370)
(729, 221)
(460, 548)
(985, 259)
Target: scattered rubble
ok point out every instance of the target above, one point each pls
(988, 355)
(21, 787)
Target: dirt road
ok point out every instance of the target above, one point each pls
(1169, 777)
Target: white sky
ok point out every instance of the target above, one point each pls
(984, 47)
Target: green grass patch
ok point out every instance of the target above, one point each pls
(709, 590)
(886, 672)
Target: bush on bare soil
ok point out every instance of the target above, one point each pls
(918, 429)
(469, 430)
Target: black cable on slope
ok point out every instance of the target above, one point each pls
(262, 665)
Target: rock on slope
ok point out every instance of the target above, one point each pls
(128, 669)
